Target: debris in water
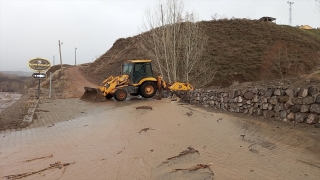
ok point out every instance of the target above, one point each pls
(189, 113)
(219, 119)
(189, 150)
(254, 150)
(146, 129)
(45, 157)
(196, 167)
(144, 107)
(52, 166)
(50, 125)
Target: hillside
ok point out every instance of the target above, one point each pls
(242, 51)
(14, 83)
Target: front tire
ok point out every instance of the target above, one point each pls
(120, 94)
(148, 89)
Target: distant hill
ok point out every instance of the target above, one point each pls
(18, 73)
(15, 81)
(242, 50)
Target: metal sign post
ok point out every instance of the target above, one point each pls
(40, 65)
(39, 76)
(50, 85)
(39, 87)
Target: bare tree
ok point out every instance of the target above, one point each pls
(217, 17)
(285, 61)
(195, 56)
(177, 43)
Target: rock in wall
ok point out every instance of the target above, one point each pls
(300, 105)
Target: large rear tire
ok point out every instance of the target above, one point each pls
(120, 94)
(148, 89)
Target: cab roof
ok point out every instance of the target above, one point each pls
(137, 61)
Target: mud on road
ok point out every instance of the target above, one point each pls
(150, 139)
(170, 140)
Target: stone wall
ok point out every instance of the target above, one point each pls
(300, 105)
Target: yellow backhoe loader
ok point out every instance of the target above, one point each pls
(136, 79)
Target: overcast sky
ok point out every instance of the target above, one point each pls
(31, 29)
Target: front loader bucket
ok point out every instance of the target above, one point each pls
(93, 95)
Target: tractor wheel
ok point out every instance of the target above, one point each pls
(148, 89)
(109, 96)
(120, 94)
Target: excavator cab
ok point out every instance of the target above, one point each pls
(138, 71)
(141, 79)
(127, 68)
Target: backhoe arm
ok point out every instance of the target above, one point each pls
(175, 86)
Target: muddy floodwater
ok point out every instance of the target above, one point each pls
(7, 99)
(151, 139)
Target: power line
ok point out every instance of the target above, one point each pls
(290, 12)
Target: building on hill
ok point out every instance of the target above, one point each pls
(267, 19)
(305, 27)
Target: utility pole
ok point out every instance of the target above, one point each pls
(75, 56)
(317, 2)
(290, 12)
(60, 55)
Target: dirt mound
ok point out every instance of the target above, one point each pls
(55, 68)
(241, 50)
(69, 84)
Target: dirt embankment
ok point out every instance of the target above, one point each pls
(69, 84)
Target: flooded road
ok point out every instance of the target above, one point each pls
(72, 139)
(7, 99)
